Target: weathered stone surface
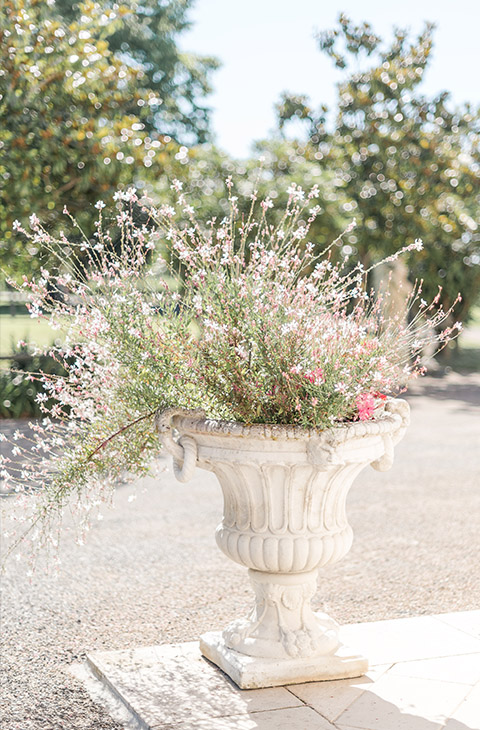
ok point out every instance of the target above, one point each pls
(285, 493)
(253, 672)
(171, 683)
(432, 681)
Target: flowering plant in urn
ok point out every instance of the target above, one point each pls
(250, 354)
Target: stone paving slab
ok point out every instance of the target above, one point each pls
(161, 684)
(424, 675)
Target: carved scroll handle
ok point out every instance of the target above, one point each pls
(183, 451)
(401, 409)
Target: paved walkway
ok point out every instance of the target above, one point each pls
(151, 573)
(424, 675)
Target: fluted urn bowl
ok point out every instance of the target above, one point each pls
(285, 491)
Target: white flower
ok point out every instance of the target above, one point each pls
(126, 195)
(300, 233)
(167, 211)
(241, 352)
(296, 192)
(131, 194)
(99, 205)
(197, 302)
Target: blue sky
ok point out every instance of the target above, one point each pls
(268, 46)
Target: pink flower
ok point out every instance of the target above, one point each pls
(366, 406)
(314, 376)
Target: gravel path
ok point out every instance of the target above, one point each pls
(151, 572)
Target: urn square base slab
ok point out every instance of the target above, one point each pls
(250, 672)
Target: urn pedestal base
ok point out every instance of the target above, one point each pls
(250, 672)
(282, 641)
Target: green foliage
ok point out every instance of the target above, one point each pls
(21, 383)
(405, 165)
(357, 39)
(77, 120)
(146, 37)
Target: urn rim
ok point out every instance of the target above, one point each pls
(395, 415)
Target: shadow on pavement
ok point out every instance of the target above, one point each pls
(451, 387)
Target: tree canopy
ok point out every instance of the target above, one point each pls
(147, 38)
(78, 120)
(405, 165)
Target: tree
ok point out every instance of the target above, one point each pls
(75, 120)
(146, 37)
(407, 166)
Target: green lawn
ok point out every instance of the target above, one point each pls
(22, 327)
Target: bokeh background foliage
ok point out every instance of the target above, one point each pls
(96, 96)
(408, 165)
(84, 110)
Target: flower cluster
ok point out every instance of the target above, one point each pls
(242, 318)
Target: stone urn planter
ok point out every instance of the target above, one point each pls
(284, 490)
